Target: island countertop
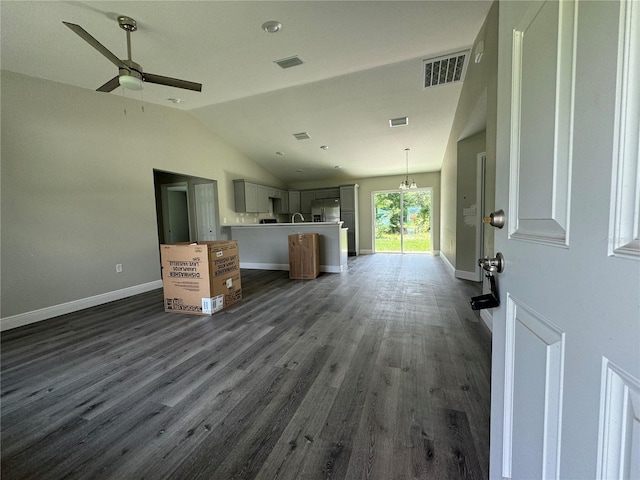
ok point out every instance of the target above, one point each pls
(265, 246)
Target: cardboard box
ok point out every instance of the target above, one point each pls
(304, 256)
(200, 278)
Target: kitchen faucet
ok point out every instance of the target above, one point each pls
(293, 217)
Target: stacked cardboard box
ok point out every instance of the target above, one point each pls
(200, 278)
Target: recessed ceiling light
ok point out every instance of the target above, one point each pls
(324, 147)
(299, 170)
(272, 26)
(175, 100)
(399, 122)
(280, 153)
(338, 167)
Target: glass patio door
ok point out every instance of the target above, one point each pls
(403, 221)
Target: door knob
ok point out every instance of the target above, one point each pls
(492, 265)
(495, 219)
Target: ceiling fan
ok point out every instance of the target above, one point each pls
(130, 73)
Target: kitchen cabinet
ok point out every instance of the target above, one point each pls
(327, 193)
(294, 201)
(349, 215)
(250, 197)
(306, 198)
(263, 199)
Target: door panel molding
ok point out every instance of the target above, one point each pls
(619, 432)
(552, 340)
(543, 65)
(624, 224)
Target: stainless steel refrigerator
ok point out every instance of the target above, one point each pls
(325, 210)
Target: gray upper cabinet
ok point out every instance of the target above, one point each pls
(294, 201)
(250, 197)
(263, 199)
(306, 197)
(348, 196)
(245, 196)
(327, 193)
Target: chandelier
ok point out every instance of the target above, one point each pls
(404, 184)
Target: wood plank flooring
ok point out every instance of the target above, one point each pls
(381, 372)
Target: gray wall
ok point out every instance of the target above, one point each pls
(479, 95)
(77, 188)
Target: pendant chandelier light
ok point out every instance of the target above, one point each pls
(404, 184)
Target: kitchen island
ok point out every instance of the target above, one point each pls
(266, 246)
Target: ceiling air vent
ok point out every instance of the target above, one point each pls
(302, 136)
(399, 122)
(289, 62)
(444, 70)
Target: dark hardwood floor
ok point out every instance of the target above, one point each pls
(381, 372)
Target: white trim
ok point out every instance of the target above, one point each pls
(435, 253)
(554, 339)
(487, 318)
(366, 252)
(624, 223)
(619, 410)
(448, 263)
(285, 267)
(34, 316)
(464, 275)
(554, 230)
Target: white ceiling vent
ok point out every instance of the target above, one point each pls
(289, 62)
(399, 122)
(444, 70)
(302, 136)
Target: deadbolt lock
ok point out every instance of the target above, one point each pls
(495, 219)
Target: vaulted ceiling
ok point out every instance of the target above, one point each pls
(363, 65)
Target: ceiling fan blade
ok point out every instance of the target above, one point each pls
(171, 82)
(110, 85)
(96, 44)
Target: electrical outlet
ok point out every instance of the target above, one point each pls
(119, 268)
(224, 220)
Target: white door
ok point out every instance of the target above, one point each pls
(566, 337)
(205, 197)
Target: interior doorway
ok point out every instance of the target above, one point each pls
(186, 208)
(402, 221)
(175, 210)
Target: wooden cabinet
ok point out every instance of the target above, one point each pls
(304, 256)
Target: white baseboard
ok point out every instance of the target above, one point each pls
(487, 318)
(34, 316)
(285, 267)
(366, 252)
(464, 275)
(435, 253)
(447, 262)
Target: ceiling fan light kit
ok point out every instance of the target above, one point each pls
(130, 73)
